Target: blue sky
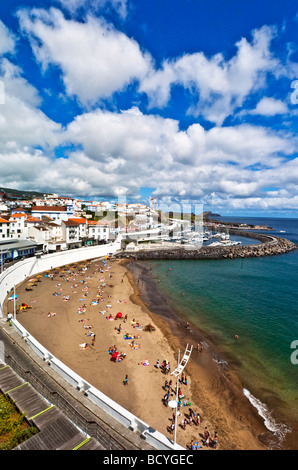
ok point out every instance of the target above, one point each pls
(191, 101)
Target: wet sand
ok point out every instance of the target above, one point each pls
(61, 324)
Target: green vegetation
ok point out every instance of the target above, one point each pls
(10, 193)
(14, 429)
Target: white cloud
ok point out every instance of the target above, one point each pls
(221, 85)
(22, 123)
(118, 153)
(105, 60)
(7, 40)
(147, 150)
(270, 107)
(120, 6)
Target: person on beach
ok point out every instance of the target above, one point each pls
(166, 398)
(171, 427)
(93, 340)
(125, 382)
(215, 440)
(157, 364)
(206, 437)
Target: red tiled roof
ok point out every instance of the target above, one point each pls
(97, 222)
(32, 219)
(18, 215)
(70, 223)
(49, 209)
(79, 220)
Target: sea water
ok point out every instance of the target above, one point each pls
(256, 299)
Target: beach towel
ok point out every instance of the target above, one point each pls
(144, 363)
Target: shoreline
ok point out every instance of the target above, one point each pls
(216, 396)
(202, 367)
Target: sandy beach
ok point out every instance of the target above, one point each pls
(78, 304)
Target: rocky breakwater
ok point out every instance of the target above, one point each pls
(270, 245)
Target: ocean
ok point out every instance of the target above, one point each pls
(256, 299)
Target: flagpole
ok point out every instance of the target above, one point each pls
(177, 387)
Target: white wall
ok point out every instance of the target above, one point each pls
(31, 266)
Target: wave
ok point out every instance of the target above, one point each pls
(278, 429)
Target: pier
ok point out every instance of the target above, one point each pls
(270, 245)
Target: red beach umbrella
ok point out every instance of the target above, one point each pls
(119, 315)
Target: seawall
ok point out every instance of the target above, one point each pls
(270, 245)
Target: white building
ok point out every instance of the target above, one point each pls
(83, 227)
(55, 230)
(4, 228)
(71, 232)
(40, 234)
(98, 230)
(17, 225)
(54, 212)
